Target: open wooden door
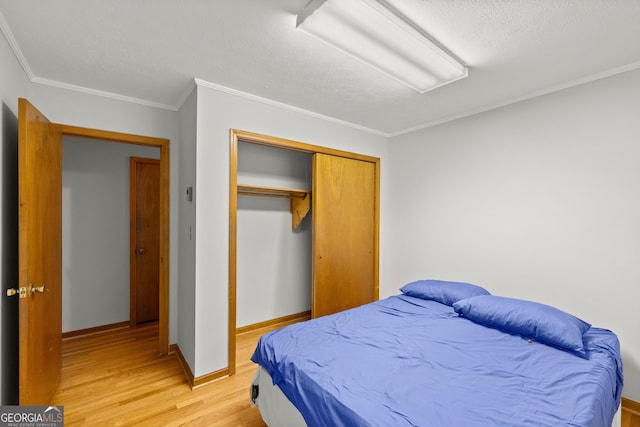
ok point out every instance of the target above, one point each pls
(40, 254)
(344, 234)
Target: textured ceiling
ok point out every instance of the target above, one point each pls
(151, 50)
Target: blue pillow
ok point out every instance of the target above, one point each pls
(529, 319)
(442, 291)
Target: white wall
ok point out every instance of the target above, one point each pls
(217, 113)
(539, 200)
(273, 261)
(95, 231)
(13, 83)
(186, 297)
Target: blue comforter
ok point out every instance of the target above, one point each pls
(405, 361)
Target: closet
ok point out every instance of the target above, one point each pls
(332, 198)
(273, 256)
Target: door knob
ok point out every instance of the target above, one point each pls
(142, 251)
(34, 289)
(21, 292)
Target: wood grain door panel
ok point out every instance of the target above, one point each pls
(145, 268)
(344, 206)
(40, 254)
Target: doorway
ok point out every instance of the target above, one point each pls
(98, 231)
(40, 246)
(162, 148)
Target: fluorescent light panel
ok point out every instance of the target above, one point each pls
(368, 31)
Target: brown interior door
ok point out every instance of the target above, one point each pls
(145, 214)
(40, 255)
(344, 226)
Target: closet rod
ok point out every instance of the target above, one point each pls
(300, 199)
(254, 194)
(259, 190)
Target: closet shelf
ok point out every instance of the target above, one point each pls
(259, 190)
(300, 199)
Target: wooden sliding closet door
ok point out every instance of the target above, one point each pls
(343, 248)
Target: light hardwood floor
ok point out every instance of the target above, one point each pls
(630, 413)
(117, 378)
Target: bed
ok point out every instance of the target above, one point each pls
(440, 354)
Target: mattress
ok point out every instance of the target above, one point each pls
(275, 408)
(277, 411)
(408, 361)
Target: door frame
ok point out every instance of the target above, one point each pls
(133, 235)
(163, 145)
(236, 136)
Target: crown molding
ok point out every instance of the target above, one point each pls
(22, 60)
(271, 102)
(104, 94)
(546, 91)
(4, 27)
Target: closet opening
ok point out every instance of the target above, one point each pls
(285, 245)
(273, 252)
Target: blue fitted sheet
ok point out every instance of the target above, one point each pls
(405, 361)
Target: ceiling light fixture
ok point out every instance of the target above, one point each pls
(370, 32)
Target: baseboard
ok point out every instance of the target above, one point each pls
(212, 376)
(291, 318)
(631, 406)
(192, 380)
(195, 382)
(96, 330)
(183, 363)
(173, 349)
